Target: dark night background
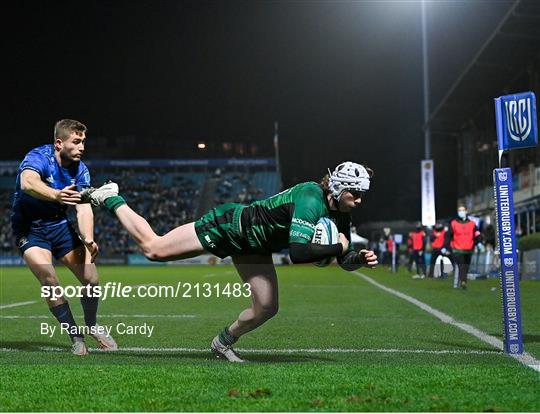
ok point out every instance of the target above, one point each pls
(344, 80)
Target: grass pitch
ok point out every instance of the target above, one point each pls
(338, 343)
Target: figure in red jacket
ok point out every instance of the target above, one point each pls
(437, 244)
(418, 244)
(461, 237)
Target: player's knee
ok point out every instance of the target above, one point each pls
(90, 280)
(153, 256)
(152, 251)
(48, 279)
(88, 275)
(267, 311)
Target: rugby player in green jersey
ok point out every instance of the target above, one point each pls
(250, 234)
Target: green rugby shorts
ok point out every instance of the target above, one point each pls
(219, 231)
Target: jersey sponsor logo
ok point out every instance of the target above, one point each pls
(303, 222)
(210, 242)
(295, 233)
(22, 242)
(50, 179)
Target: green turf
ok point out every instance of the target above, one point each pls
(320, 308)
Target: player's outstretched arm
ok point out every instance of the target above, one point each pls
(32, 185)
(312, 252)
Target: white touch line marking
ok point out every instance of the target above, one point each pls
(286, 351)
(525, 358)
(13, 305)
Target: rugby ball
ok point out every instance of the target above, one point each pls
(326, 233)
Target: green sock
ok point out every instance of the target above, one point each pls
(226, 338)
(112, 203)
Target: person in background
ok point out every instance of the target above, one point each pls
(460, 239)
(382, 248)
(389, 250)
(437, 243)
(418, 241)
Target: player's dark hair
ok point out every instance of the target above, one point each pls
(64, 127)
(325, 181)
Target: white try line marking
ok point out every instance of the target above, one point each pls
(115, 315)
(14, 305)
(282, 351)
(525, 358)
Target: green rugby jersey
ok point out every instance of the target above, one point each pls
(270, 225)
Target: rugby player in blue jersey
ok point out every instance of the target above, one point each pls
(48, 182)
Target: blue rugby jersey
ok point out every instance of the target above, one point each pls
(30, 212)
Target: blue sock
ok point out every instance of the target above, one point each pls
(63, 314)
(89, 306)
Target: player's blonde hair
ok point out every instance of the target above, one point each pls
(64, 127)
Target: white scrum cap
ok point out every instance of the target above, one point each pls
(348, 176)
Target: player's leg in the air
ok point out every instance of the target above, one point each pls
(259, 272)
(180, 243)
(183, 242)
(39, 260)
(79, 262)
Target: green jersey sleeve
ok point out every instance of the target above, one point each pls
(309, 207)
